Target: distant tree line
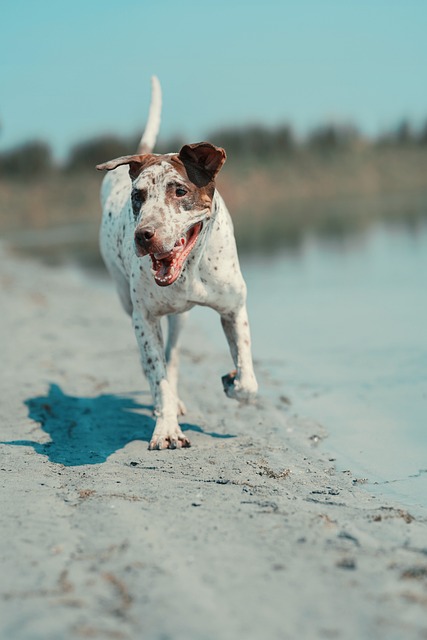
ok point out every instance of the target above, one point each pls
(35, 159)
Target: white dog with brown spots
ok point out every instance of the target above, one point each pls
(167, 240)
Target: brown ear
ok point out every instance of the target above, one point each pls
(202, 161)
(136, 164)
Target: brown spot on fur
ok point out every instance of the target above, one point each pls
(196, 199)
(136, 164)
(202, 162)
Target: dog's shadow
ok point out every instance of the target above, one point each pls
(86, 430)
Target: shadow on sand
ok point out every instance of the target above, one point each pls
(88, 430)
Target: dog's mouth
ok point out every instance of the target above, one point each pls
(167, 267)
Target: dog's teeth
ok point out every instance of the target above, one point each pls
(153, 271)
(172, 270)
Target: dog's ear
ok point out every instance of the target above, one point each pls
(136, 164)
(202, 161)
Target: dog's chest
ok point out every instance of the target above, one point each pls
(189, 290)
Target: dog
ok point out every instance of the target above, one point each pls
(167, 240)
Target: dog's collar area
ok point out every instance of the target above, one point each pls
(167, 267)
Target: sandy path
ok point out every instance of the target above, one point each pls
(251, 533)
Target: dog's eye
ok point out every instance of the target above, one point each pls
(138, 198)
(180, 191)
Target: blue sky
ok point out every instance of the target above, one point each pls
(71, 70)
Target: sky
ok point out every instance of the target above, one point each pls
(70, 71)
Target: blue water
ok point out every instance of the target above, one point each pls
(342, 328)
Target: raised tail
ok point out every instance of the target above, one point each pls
(148, 140)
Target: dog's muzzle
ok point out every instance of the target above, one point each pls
(166, 265)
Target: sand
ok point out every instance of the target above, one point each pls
(252, 533)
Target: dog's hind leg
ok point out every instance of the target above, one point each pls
(175, 324)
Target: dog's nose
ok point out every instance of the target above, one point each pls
(142, 236)
(147, 233)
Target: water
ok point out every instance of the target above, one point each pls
(341, 327)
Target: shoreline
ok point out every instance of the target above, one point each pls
(253, 532)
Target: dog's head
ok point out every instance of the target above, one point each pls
(172, 199)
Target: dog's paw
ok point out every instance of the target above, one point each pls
(168, 438)
(238, 390)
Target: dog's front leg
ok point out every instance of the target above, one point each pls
(167, 433)
(175, 324)
(240, 384)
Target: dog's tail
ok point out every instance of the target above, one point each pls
(148, 140)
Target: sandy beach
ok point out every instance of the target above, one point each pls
(251, 533)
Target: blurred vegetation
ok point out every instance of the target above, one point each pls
(278, 188)
(86, 155)
(255, 141)
(32, 160)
